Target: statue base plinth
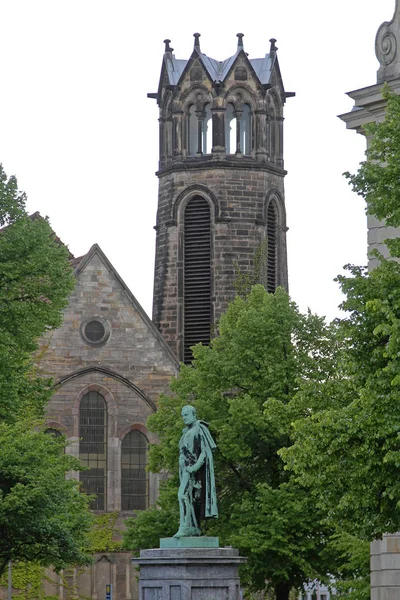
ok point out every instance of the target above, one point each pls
(202, 541)
(187, 573)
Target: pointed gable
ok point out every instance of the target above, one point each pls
(107, 336)
(208, 71)
(100, 289)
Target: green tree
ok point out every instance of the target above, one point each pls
(43, 516)
(378, 178)
(347, 450)
(242, 385)
(35, 281)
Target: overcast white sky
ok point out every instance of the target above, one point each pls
(82, 138)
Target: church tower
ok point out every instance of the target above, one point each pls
(221, 193)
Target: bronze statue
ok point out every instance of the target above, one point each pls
(197, 495)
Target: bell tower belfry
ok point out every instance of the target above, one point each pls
(221, 193)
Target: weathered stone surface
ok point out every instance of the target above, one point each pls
(202, 541)
(238, 178)
(189, 574)
(130, 371)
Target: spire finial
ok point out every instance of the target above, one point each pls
(273, 47)
(167, 46)
(197, 41)
(240, 40)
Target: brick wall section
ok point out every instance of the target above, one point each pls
(238, 230)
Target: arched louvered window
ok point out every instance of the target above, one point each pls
(272, 252)
(93, 447)
(197, 275)
(134, 477)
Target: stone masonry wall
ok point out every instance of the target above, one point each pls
(238, 198)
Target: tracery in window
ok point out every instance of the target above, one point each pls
(93, 447)
(134, 477)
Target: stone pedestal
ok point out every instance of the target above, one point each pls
(184, 573)
(385, 568)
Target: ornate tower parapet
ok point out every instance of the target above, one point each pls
(221, 195)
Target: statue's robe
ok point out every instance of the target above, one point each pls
(196, 446)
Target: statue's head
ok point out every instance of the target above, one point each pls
(189, 414)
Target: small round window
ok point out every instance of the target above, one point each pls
(95, 331)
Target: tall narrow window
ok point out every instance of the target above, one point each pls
(197, 275)
(199, 128)
(134, 477)
(207, 130)
(271, 248)
(230, 129)
(93, 447)
(245, 130)
(192, 131)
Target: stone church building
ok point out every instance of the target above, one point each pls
(221, 200)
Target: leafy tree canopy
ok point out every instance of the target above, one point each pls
(43, 516)
(35, 281)
(242, 385)
(378, 178)
(347, 450)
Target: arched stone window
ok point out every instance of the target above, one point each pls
(134, 477)
(245, 130)
(93, 447)
(197, 275)
(272, 247)
(230, 129)
(207, 130)
(192, 131)
(54, 432)
(238, 138)
(199, 130)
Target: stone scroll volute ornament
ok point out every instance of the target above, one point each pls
(387, 47)
(197, 494)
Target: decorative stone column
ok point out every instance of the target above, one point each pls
(189, 569)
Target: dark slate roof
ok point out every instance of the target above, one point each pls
(175, 68)
(263, 67)
(219, 69)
